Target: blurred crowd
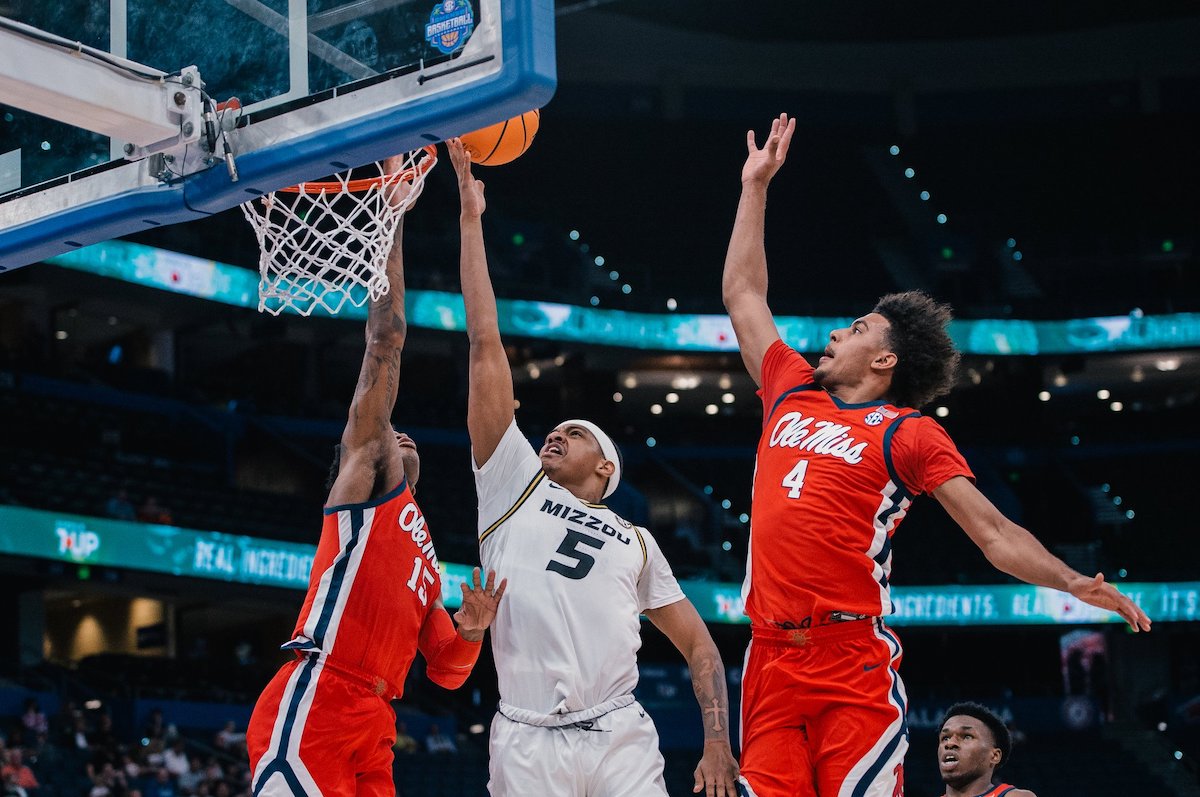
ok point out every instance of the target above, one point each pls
(77, 753)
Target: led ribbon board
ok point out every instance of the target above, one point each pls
(222, 282)
(253, 560)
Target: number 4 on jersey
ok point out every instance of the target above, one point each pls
(794, 481)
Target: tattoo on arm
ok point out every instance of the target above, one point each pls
(708, 682)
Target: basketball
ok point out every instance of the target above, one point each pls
(503, 141)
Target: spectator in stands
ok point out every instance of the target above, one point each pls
(213, 770)
(80, 739)
(228, 738)
(131, 768)
(438, 742)
(972, 745)
(175, 759)
(153, 754)
(34, 720)
(103, 743)
(18, 771)
(162, 785)
(109, 782)
(154, 512)
(12, 788)
(190, 780)
(404, 743)
(119, 506)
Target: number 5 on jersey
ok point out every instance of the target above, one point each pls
(569, 548)
(794, 481)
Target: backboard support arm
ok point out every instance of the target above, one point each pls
(53, 77)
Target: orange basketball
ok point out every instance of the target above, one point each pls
(503, 141)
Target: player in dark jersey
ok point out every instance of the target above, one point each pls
(324, 725)
(972, 745)
(843, 453)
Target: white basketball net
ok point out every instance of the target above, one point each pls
(325, 244)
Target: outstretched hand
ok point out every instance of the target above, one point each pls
(717, 773)
(761, 164)
(470, 190)
(1103, 595)
(479, 605)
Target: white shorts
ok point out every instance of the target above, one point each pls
(617, 757)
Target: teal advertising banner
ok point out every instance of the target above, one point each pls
(168, 549)
(221, 282)
(254, 560)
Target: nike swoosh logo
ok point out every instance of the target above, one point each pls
(869, 667)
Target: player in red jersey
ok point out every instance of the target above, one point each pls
(843, 452)
(972, 745)
(324, 725)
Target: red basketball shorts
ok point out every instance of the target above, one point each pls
(317, 730)
(823, 712)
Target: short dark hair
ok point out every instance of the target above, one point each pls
(927, 362)
(1000, 736)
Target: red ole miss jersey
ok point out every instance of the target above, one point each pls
(374, 581)
(831, 483)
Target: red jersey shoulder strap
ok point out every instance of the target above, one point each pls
(887, 452)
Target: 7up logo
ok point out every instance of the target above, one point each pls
(76, 542)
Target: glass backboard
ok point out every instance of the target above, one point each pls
(323, 85)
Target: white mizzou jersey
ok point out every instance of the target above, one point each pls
(566, 635)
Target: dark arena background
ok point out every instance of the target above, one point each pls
(163, 452)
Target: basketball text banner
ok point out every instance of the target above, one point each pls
(88, 541)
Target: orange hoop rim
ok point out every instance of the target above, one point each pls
(367, 183)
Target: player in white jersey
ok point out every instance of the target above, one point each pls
(566, 636)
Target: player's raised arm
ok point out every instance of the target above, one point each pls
(716, 774)
(1017, 552)
(490, 388)
(744, 283)
(368, 442)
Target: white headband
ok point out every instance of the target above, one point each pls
(607, 447)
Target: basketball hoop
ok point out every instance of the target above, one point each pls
(326, 243)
